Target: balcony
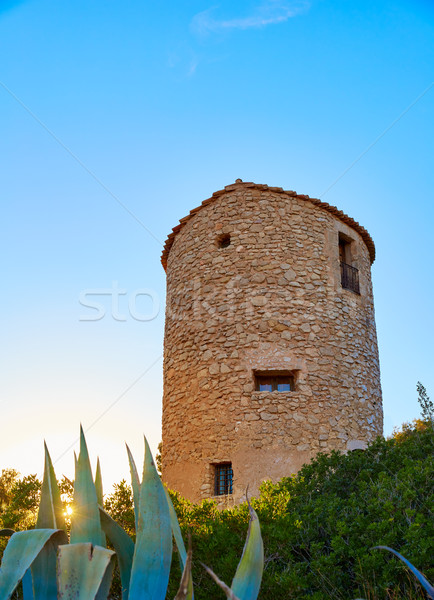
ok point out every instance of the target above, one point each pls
(350, 278)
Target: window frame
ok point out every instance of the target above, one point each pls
(275, 378)
(225, 487)
(349, 273)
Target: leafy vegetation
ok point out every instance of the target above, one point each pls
(318, 527)
(426, 405)
(44, 563)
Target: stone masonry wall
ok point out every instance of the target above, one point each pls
(270, 301)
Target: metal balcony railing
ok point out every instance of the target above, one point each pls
(350, 278)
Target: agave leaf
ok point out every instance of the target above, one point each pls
(99, 494)
(104, 588)
(227, 590)
(50, 516)
(135, 482)
(19, 554)
(98, 483)
(176, 530)
(27, 581)
(43, 572)
(124, 548)
(247, 580)
(185, 591)
(50, 513)
(84, 572)
(153, 549)
(421, 578)
(85, 525)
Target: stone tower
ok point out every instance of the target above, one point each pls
(270, 342)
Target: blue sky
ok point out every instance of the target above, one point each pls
(118, 118)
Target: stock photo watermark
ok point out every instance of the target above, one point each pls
(141, 305)
(197, 302)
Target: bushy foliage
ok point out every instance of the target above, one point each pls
(119, 505)
(19, 499)
(318, 526)
(20, 496)
(426, 405)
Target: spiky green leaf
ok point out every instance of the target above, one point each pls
(21, 551)
(421, 578)
(50, 513)
(185, 591)
(99, 494)
(98, 483)
(27, 581)
(85, 525)
(153, 549)
(84, 572)
(135, 482)
(50, 516)
(124, 547)
(247, 580)
(176, 530)
(44, 572)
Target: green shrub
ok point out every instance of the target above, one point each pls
(45, 563)
(319, 525)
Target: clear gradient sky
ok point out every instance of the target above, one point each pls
(117, 118)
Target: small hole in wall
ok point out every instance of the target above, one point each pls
(224, 241)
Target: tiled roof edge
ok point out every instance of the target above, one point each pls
(236, 186)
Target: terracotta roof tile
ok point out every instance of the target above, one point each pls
(238, 185)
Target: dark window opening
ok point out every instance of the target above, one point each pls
(224, 476)
(350, 278)
(349, 273)
(224, 241)
(343, 250)
(272, 382)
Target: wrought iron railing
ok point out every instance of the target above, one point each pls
(350, 278)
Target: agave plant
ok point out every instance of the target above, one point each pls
(247, 579)
(50, 568)
(421, 578)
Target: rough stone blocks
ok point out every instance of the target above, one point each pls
(254, 288)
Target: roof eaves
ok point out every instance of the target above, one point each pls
(235, 186)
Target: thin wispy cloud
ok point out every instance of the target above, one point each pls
(269, 12)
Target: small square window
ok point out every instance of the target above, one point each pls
(223, 479)
(274, 382)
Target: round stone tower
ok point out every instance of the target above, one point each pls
(270, 348)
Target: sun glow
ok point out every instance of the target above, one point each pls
(68, 511)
